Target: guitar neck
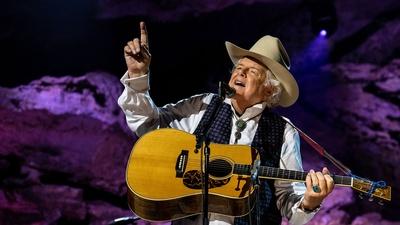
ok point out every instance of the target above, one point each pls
(291, 175)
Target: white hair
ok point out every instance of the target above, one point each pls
(276, 89)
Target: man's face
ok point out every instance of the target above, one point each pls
(248, 80)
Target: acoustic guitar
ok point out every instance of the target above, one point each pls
(164, 177)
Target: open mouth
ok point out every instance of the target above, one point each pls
(240, 83)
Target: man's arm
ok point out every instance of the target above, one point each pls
(290, 194)
(297, 202)
(142, 114)
(140, 111)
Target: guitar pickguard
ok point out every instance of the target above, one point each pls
(192, 179)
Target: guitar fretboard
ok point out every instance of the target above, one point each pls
(282, 174)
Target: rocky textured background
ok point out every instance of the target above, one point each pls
(63, 140)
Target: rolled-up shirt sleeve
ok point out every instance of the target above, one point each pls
(290, 194)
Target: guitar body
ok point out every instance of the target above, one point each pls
(164, 177)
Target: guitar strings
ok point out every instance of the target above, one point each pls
(221, 167)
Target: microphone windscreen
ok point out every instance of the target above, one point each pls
(225, 90)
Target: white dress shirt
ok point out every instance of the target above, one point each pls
(142, 115)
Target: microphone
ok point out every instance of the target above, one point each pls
(225, 90)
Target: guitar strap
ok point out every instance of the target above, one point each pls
(317, 147)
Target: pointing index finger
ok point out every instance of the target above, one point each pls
(143, 34)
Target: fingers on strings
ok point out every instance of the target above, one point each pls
(317, 182)
(312, 182)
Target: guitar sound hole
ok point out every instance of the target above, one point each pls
(192, 179)
(219, 168)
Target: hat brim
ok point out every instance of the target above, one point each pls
(290, 90)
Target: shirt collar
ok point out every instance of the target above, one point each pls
(250, 112)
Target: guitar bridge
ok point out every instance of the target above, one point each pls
(181, 163)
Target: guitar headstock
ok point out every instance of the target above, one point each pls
(372, 189)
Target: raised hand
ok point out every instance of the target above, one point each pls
(319, 185)
(137, 54)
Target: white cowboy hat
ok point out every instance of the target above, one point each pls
(270, 51)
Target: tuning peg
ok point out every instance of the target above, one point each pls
(361, 196)
(380, 202)
(370, 199)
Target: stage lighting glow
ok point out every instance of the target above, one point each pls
(323, 16)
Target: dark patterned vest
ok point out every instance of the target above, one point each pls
(267, 140)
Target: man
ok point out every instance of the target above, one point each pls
(261, 80)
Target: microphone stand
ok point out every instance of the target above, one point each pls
(223, 90)
(205, 181)
(204, 151)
